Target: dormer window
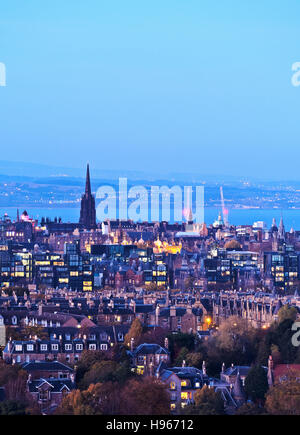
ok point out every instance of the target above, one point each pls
(44, 347)
(79, 346)
(30, 347)
(14, 320)
(68, 346)
(54, 347)
(19, 347)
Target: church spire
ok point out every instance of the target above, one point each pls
(281, 229)
(88, 181)
(88, 209)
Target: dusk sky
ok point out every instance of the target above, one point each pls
(185, 85)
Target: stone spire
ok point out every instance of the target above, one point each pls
(281, 229)
(88, 181)
(88, 209)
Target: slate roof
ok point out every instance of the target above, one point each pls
(46, 366)
(233, 371)
(56, 385)
(149, 349)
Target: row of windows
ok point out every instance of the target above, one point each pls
(54, 347)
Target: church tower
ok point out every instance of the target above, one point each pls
(88, 209)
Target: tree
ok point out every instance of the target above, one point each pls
(179, 340)
(207, 402)
(12, 407)
(250, 409)
(232, 334)
(10, 373)
(147, 396)
(87, 360)
(154, 335)
(233, 245)
(194, 359)
(80, 403)
(181, 356)
(134, 332)
(287, 312)
(32, 331)
(256, 383)
(98, 399)
(284, 398)
(283, 339)
(104, 371)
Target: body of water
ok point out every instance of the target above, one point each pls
(291, 217)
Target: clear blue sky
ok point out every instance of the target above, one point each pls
(189, 85)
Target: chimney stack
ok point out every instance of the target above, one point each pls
(132, 344)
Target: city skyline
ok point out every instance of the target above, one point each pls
(149, 210)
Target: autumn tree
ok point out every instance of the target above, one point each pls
(10, 372)
(134, 332)
(98, 399)
(194, 359)
(250, 409)
(87, 360)
(147, 396)
(284, 397)
(34, 331)
(154, 335)
(80, 403)
(287, 312)
(207, 402)
(233, 334)
(104, 371)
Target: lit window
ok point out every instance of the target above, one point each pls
(173, 386)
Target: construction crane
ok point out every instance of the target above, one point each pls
(224, 210)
